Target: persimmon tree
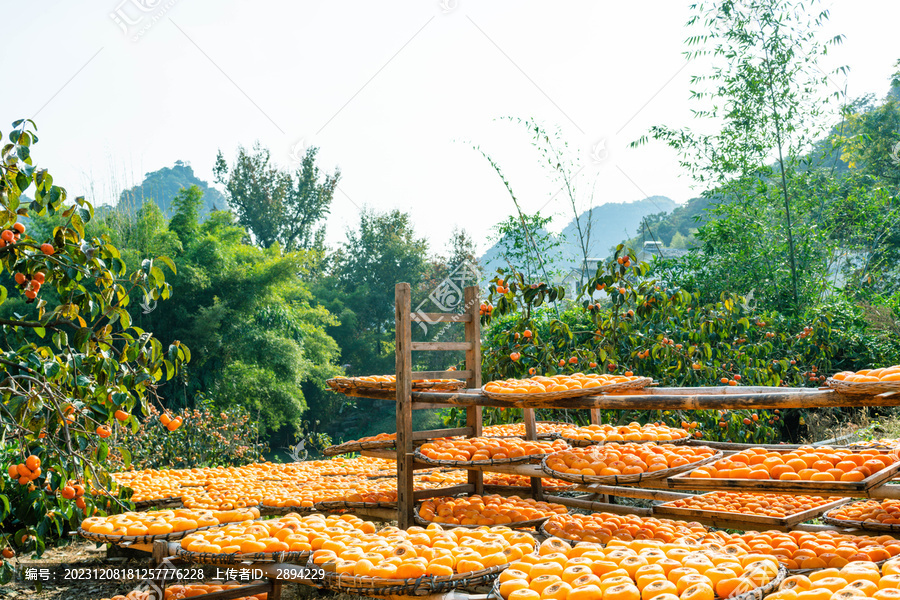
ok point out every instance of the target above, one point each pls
(74, 370)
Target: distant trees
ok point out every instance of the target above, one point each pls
(275, 205)
(261, 340)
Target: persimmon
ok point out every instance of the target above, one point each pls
(625, 433)
(555, 383)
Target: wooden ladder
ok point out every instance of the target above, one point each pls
(470, 317)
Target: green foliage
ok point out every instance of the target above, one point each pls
(185, 223)
(277, 206)
(71, 354)
(626, 321)
(382, 251)
(259, 337)
(207, 437)
(764, 93)
(525, 244)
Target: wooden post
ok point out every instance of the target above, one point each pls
(537, 491)
(403, 351)
(473, 364)
(595, 417)
(275, 594)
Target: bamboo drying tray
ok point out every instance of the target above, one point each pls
(128, 540)
(635, 384)
(754, 594)
(462, 464)
(376, 586)
(684, 481)
(533, 523)
(339, 384)
(682, 513)
(209, 558)
(626, 479)
(868, 388)
(863, 525)
(579, 443)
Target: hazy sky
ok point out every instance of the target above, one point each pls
(394, 93)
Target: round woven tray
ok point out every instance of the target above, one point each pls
(864, 525)
(268, 510)
(518, 460)
(344, 505)
(808, 571)
(352, 383)
(625, 479)
(375, 586)
(170, 502)
(208, 558)
(541, 436)
(636, 384)
(869, 388)
(584, 443)
(535, 523)
(518, 490)
(122, 540)
(873, 446)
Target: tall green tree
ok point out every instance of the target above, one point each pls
(380, 252)
(766, 95)
(185, 223)
(276, 205)
(260, 336)
(70, 354)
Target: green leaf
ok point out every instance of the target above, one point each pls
(81, 337)
(168, 262)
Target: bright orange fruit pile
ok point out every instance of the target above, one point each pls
(870, 511)
(508, 479)
(626, 459)
(397, 554)
(162, 522)
(770, 505)
(808, 463)
(869, 375)
(600, 528)
(817, 550)
(518, 429)
(556, 383)
(289, 533)
(633, 432)
(853, 580)
(632, 571)
(482, 448)
(487, 510)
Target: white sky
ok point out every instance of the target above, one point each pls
(392, 92)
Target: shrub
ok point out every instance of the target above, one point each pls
(207, 437)
(624, 321)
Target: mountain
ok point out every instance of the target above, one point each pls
(161, 187)
(610, 224)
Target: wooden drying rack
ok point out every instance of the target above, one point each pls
(693, 398)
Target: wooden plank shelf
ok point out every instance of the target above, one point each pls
(647, 399)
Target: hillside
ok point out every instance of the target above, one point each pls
(162, 185)
(610, 224)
